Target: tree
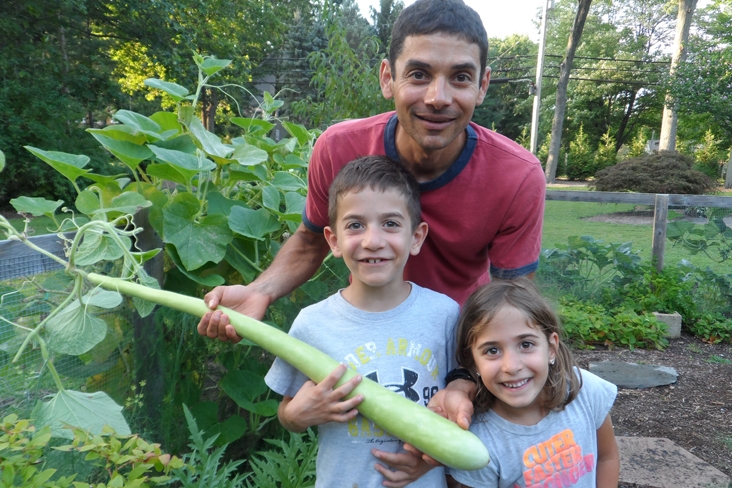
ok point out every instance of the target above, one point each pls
(583, 8)
(667, 139)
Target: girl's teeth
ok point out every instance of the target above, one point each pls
(516, 385)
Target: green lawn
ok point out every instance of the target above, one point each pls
(564, 219)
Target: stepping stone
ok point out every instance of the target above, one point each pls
(632, 375)
(654, 462)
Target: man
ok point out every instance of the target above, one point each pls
(482, 194)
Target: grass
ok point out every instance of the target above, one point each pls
(565, 219)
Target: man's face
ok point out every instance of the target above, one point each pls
(436, 85)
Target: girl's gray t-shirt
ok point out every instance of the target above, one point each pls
(408, 349)
(561, 450)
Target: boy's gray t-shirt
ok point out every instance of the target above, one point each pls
(408, 349)
(561, 450)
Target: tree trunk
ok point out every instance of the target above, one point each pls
(213, 103)
(728, 178)
(583, 8)
(620, 134)
(667, 139)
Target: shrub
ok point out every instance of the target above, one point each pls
(666, 172)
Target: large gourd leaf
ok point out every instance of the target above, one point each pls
(176, 91)
(121, 133)
(244, 387)
(74, 330)
(98, 247)
(144, 307)
(253, 126)
(209, 141)
(271, 198)
(88, 411)
(213, 65)
(297, 131)
(128, 152)
(248, 155)
(140, 123)
(196, 242)
(287, 181)
(186, 164)
(255, 224)
(69, 165)
(209, 280)
(35, 206)
(295, 204)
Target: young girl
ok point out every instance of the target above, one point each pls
(545, 422)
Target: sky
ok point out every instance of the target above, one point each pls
(501, 18)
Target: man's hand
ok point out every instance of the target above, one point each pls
(319, 404)
(406, 467)
(244, 299)
(455, 402)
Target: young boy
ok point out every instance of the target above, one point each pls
(389, 330)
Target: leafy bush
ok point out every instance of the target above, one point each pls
(713, 328)
(666, 172)
(580, 163)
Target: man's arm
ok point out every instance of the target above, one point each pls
(297, 261)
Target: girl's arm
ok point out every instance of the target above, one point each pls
(608, 459)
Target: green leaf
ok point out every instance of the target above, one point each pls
(88, 411)
(138, 122)
(102, 298)
(212, 65)
(271, 198)
(197, 242)
(2, 161)
(128, 202)
(255, 224)
(209, 280)
(244, 387)
(219, 204)
(143, 307)
(121, 133)
(69, 165)
(181, 143)
(186, 164)
(176, 91)
(297, 131)
(287, 181)
(167, 172)
(129, 153)
(253, 126)
(168, 122)
(74, 331)
(248, 155)
(99, 247)
(209, 141)
(87, 202)
(295, 203)
(293, 162)
(240, 254)
(35, 206)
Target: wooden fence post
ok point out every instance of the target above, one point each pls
(660, 215)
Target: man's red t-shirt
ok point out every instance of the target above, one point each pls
(484, 213)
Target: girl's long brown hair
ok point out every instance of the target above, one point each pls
(562, 384)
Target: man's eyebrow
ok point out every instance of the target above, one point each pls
(415, 63)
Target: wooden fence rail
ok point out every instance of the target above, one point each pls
(660, 202)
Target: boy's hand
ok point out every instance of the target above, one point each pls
(244, 299)
(319, 404)
(406, 467)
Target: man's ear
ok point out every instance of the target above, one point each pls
(485, 80)
(332, 240)
(386, 79)
(420, 234)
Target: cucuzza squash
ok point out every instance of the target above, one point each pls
(409, 421)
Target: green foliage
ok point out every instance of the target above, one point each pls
(606, 154)
(580, 164)
(203, 466)
(714, 239)
(667, 172)
(637, 147)
(291, 465)
(708, 157)
(713, 328)
(586, 325)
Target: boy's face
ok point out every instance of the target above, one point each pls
(436, 85)
(374, 235)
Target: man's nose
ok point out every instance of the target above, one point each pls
(438, 93)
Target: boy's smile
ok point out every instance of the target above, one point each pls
(374, 235)
(512, 356)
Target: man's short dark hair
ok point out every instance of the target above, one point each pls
(425, 17)
(378, 173)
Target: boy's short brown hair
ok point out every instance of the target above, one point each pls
(378, 173)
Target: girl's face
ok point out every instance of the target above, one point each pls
(512, 356)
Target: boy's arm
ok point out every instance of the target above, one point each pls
(318, 404)
(608, 458)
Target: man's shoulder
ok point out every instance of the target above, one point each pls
(373, 123)
(497, 143)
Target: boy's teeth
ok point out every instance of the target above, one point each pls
(373, 261)
(517, 384)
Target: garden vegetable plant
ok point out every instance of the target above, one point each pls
(221, 207)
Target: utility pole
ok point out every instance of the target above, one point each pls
(539, 72)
